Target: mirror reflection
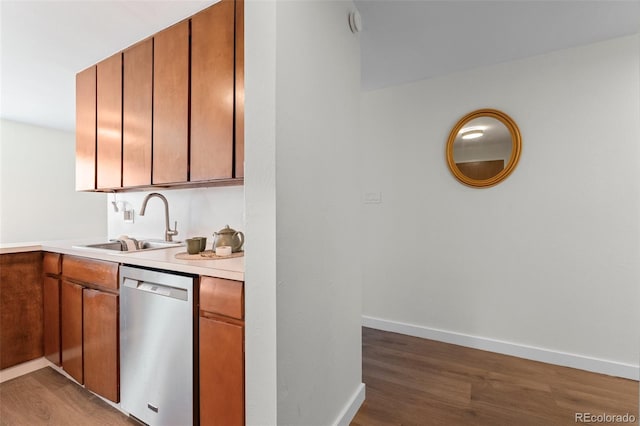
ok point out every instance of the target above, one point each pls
(483, 148)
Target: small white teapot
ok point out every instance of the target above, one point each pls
(228, 237)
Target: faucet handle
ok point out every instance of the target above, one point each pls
(169, 233)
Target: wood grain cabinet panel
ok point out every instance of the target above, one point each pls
(100, 335)
(212, 92)
(221, 373)
(168, 111)
(137, 92)
(98, 272)
(51, 296)
(71, 326)
(89, 324)
(223, 297)
(239, 92)
(171, 104)
(86, 129)
(21, 330)
(109, 118)
(52, 263)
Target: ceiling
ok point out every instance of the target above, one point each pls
(404, 41)
(44, 43)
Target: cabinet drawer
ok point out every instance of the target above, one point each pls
(52, 263)
(224, 297)
(92, 271)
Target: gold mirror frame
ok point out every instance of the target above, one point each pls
(516, 146)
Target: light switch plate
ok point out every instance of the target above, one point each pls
(373, 197)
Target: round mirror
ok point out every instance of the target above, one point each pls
(483, 148)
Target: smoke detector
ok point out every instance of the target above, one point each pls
(355, 21)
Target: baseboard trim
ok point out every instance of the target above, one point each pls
(611, 368)
(352, 407)
(22, 369)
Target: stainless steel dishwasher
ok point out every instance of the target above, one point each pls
(156, 346)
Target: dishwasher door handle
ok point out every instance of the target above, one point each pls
(131, 283)
(156, 289)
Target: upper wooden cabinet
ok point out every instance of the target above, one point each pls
(86, 129)
(137, 94)
(171, 104)
(109, 116)
(167, 111)
(239, 93)
(212, 97)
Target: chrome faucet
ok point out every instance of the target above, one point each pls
(168, 232)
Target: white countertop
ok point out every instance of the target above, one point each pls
(232, 268)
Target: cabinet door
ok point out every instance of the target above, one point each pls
(109, 115)
(20, 308)
(100, 325)
(221, 373)
(212, 69)
(239, 92)
(171, 104)
(71, 329)
(86, 129)
(51, 296)
(137, 92)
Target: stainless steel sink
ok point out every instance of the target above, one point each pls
(143, 245)
(158, 244)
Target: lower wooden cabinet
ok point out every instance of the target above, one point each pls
(89, 326)
(71, 329)
(51, 309)
(100, 335)
(221, 373)
(67, 308)
(20, 308)
(51, 268)
(221, 350)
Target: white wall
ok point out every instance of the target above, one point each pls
(260, 213)
(199, 212)
(303, 285)
(318, 212)
(548, 258)
(37, 187)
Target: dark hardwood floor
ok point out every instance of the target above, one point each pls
(45, 397)
(413, 381)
